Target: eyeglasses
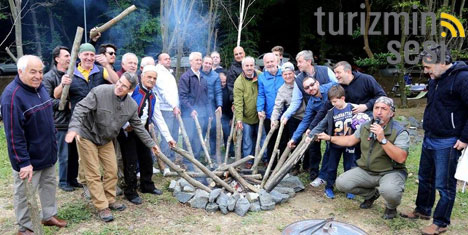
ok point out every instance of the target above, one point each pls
(110, 53)
(309, 86)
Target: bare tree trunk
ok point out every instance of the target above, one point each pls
(37, 37)
(401, 75)
(15, 7)
(51, 23)
(241, 20)
(366, 31)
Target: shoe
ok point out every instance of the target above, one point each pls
(54, 221)
(415, 215)
(86, 194)
(75, 184)
(136, 200)
(106, 215)
(66, 188)
(154, 191)
(317, 182)
(25, 232)
(389, 213)
(156, 171)
(248, 165)
(166, 171)
(329, 193)
(366, 204)
(117, 206)
(118, 191)
(350, 196)
(433, 229)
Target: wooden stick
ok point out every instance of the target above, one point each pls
(155, 138)
(282, 159)
(111, 22)
(200, 135)
(259, 136)
(242, 181)
(71, 66)
(270, 164)
(253, 181)
(203, 169)
(218, 173)
(32, 204)
(264, 147)
(184, 134)
(219, 137)
(228, 143)
(207, 135)
(239, 145)
(236, 163)
(182, 173)
(7, 49)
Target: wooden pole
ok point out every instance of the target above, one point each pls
(184, 134)
(182, 173)
(204, 169)
(259, 136)
(264, 147)
(200, 135)
(155, 138)
(111, 22)
(218, 173)
(270, 165)
(71, 66)
(206, 140)
(219, 137)
(32, 204)
(282, 159)
(236, 163)
(7, 49)
(228, 143)
(242, 181)
(238, 151)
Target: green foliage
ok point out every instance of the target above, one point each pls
(5, 166)
(75, 212)
(375, 63)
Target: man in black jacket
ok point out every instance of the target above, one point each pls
(446, 134)
(235, 70)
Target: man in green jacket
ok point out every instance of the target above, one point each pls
(384, 149)
(245, 104)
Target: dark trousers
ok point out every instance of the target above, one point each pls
(72, 171)
(312, 159)
(212, 132)
(334, 157)
(192, 133)
(135, 152)
(226, 120)
(283, 141)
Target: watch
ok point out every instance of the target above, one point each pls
(384, 141)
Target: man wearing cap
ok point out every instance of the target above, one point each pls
(381, 169)
(133, 149)
(97, 120)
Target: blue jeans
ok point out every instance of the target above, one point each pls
(225, 120)
(173, 126)
(62, 155)
(334, 157)
(249, 139)
(324, 169)
(436, 171)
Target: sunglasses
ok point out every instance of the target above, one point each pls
(309, 86)
(111, 53)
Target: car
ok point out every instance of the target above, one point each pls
(286, 58)
(7, 68)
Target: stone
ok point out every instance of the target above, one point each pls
(188, 188)
(242, 206)
(231, 203)
(212, 207)
(413, 122)
(252, 197)
(286, 190)
(292, 182)
(266, 201)
(222, 202)
(214, 194)
(182, 182)
(200, 199)
(255, 206)
(172, 186)
(183, 197)
(279, 197)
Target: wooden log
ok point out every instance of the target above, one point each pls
(238, 152)
(184, 134)
(155, 139)
(13, 57)
(218, 173)
(236, 163)
(113, 21)
(202, 142)
(203, 169)
(270, 164)
(264, 147)
(282, 159)
(253, 181)
(181, 172)
(219, 137)
(71, 66)
(206, 140)
(242, 181)
(228, 143)
(33, 207)
(259, 135)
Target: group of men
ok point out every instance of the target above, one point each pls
(109, 110)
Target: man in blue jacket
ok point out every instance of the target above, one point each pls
(32, 146)
(446, 134)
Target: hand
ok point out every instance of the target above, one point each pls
(98, 35)
(323, 136)
(307, 132)
(70, 136)
(261, 115)
(359, 108)
(308, 139)
(284, 120)
(232, 108)
(155, 149)
(459, 145)
(239, 125)
(194, 113)
(66, 80)
(102, 59)
(291, 144)
(274, 124)
(129, 128)
(172, 144)
(176, 111)
(26, 172)
(378, 131)
(219, 110)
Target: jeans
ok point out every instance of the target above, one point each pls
(249, 139)
(334, 157)
(62, 155)
(436, 171)
(173, 126)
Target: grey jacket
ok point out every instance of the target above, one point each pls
(282, 102)
(100, 115)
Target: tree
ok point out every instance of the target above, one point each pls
(243, 13)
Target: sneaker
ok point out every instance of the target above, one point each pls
(317, 182)
(118, 191)
(366, 204)
(75, 184)
(106, 215)
(350, 196)
(117, 206)
(329, 193)
(66, 188)
(156, 171)
(414, 215)
(166, 171)
(389, 213)
(136, 200)
(433, 229)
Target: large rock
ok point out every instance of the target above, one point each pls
(413, 122)
(255, 206)
(279, 197)
(172, 186)
(231, 203)
(214, 194)
(292, 182)
(183, 197)
(242, 206)
(188, 188)
(286, 190)
(200, 199)
(222, 202)
(266, 201)
(212, 207)
(252, 197)
(182, 182)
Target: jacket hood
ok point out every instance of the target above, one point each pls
(458, 66)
